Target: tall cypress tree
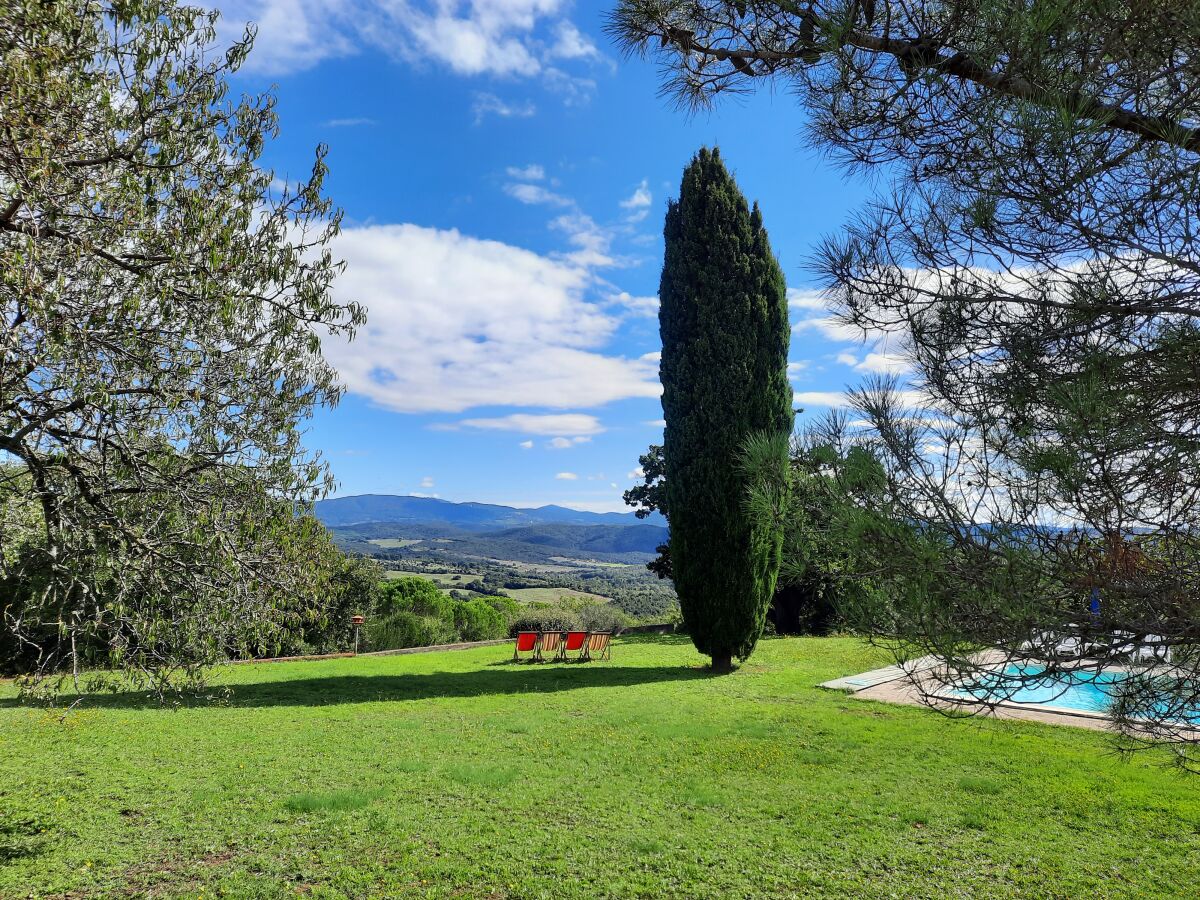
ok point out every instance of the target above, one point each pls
(724, 325)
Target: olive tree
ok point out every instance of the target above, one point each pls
(163, 299)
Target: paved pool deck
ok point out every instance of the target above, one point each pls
(900, 684)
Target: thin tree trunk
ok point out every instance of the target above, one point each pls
(722, 664)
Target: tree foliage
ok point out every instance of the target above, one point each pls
(724, 325)
(830, 503)
(649, 497)
(1034, 255)
(162, 304)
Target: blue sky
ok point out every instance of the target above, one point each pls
(504, 175)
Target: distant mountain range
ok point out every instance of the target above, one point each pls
(366, 508)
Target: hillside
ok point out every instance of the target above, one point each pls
(343, 511)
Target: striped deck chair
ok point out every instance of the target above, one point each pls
(598, 645)
(527, 642)
(575, 642)
(551, 643)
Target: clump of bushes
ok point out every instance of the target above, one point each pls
(570, 614)
(545, 617)
(413, 612)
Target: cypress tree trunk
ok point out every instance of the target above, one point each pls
(724, 325)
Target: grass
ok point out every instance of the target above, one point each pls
(550, 594)
(462, 775)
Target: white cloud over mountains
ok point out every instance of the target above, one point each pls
(456, 322)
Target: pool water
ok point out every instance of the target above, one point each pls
(1084, 691)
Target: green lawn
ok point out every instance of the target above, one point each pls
(459, 774)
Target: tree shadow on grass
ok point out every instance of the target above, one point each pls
(527, 678)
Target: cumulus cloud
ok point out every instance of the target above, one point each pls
(567, 476)
(639, 306)
(805, 299)
(527, 445)
(821, 398)
(531, 172)
(564, 443)
(637, 473)
(571, 43)
(456, 322)
(638, 203)
(515, 38)
(535, 194)
(562, 424)
(486, 104)
(427, 481)
(884, 364)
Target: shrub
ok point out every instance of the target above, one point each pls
(550, 618)
(603, 617)
(415, 595)
(407, 629)
(477, 621)
(506, 606)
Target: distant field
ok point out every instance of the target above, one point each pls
(441, 579)
(591, 563)
(549, 594)
(394, 543)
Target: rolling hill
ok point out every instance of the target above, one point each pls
(367, 508)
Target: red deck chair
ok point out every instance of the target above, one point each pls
(551, 643)
(575, 642)
(527, 642)
(599, 645)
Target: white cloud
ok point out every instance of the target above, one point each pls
(884, 364)
(486, 104)
(847, 359)
(567, 476)
(640, 198)
(637, 473)
(419, 494)
(638, 203)
(805, 299)
(561, 424)
(481, 37)
(456, 322)
(821, 398)
(427, 481)
(656, 423)
(795, 368)
(528, 445)
(592, 241)
(640, 306)
(534, 194)
(570, 43)
(531, 172)
(910, 398)
(563, 443)
(348, 123)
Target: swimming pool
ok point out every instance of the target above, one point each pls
(1090, 692)
(1083, 691)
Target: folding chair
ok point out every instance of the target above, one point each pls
(575, 642)
(598, 645)
(527, 642)
(551, 642)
